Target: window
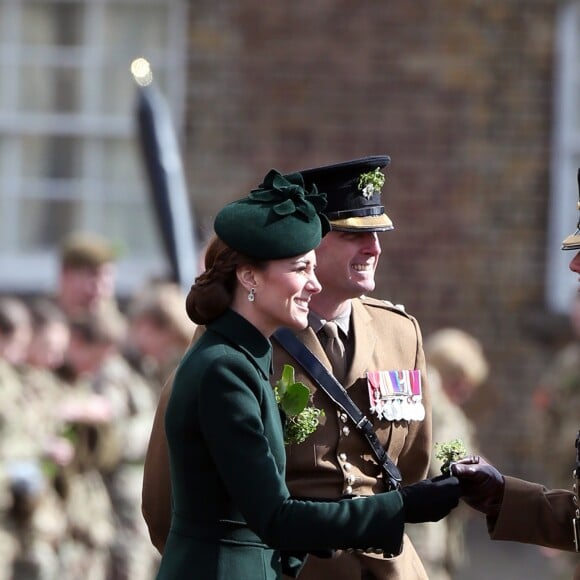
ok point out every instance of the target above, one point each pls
(561, 285)
(68, 156)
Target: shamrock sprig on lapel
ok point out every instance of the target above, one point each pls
(293, 398)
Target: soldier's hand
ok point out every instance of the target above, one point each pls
(431, 499)
(59, 450)
(482, 485)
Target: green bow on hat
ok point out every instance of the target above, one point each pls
(289, 190)
(279, 219)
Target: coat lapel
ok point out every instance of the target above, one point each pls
(364, 340)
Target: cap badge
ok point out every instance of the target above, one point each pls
(371, 182)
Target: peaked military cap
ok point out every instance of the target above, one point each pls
(572, 242)
(277, 220)
(353, 189)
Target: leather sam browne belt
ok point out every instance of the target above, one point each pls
(328, 383)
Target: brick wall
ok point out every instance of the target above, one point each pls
(458, 93)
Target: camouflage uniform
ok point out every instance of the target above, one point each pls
(32, 525)
(133, 557)
(10, 387)
(85, 552)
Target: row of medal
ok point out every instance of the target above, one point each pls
(396, 395)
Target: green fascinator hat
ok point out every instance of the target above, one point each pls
(279, 219)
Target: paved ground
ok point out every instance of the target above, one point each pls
(504, 560)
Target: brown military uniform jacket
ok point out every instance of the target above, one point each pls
(532, 514)
(335, 460)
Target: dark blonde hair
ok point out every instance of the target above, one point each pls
(457, 354)
(105, 327)
(213, 291)
(161, 303)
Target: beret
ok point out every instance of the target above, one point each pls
(277, 220)
(84, 249)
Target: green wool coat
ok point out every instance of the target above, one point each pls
(233, 517)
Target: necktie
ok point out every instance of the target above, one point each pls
(334, 349)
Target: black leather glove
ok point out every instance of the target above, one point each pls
(431, 499)
(482, 485)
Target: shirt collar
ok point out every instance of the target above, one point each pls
(316, 322)
(246, 338)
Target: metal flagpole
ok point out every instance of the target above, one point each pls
(163, 165)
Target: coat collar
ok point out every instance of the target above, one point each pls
(316, 322)
(246, 338)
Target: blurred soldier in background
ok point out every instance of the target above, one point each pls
(95, 357)
(32, 526)
(456, 367)
(42, 389)
(86, 280)
(86, 425)
(15, 330)
(50, 335)
(14, 339)
(31, 522)
(159, 331)
(12, 315)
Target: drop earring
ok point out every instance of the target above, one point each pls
(252, 295)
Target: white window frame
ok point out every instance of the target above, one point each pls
(561, 284)
(37, 272)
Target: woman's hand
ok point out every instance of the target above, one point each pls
(431, 499)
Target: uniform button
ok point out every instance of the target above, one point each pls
(348, 490)
(350, 479)
(344, 417)
(342, 456)
(345, 431)
(347, 466)
(377, 551)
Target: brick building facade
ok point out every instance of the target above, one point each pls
(459, 94)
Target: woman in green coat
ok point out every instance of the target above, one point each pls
(233, 517)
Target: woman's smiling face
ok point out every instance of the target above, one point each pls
(283, 291)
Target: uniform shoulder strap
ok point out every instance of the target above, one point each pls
(384, 305)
